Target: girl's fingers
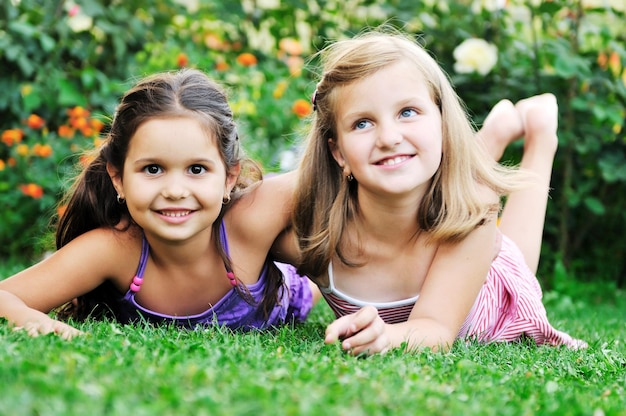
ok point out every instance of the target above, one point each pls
(34, 329)
(348, 325)
(369, 340)
(339, 329)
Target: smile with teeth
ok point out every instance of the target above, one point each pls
(174, 213)
(393, 161)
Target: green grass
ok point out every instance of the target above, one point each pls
(118, 370)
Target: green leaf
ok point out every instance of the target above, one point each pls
(23, 29)
(47, 43)
(26, 65)
(594, 205)
(31, 101)
(88, 77)
(69, 95)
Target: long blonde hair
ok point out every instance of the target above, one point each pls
(326, 202)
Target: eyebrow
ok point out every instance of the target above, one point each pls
(149, 160)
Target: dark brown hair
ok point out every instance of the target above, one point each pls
(91, 201)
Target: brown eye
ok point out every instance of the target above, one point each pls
(197, 170)
(152, 169)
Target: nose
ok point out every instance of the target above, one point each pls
(388, 135)
(174, 188)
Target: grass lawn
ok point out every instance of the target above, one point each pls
(118, 370)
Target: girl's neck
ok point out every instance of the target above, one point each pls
(391, 220)
(183, 252)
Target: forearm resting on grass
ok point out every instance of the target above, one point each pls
(34, 322)
(364, 332)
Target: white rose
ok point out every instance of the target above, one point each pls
(619, 5)
(489, 5)
(192, 6)
(80, 22)
(475, 55)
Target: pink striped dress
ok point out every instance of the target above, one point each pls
(507, 307)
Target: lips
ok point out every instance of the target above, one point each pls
(395, 160)
(175, 214)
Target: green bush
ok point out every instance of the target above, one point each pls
(257, 49)
(56, 56)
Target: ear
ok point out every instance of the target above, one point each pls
(116, 178)
(338, 156)
(232, 174)
(336, 152)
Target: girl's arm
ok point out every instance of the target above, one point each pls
(263, 215)
(86, 262)
(449, 292)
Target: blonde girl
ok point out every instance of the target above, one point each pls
(397, 202)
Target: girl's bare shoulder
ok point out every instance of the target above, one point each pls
(77, 268)
(110, 254)
(265, 210)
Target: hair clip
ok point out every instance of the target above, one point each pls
(313, 99)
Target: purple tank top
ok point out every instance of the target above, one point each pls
(294, 301)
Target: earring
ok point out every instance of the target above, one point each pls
(226, 199)
(350, 177)
(121, 200)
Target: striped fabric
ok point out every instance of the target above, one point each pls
(508, 306)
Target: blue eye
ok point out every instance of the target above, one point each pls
(408, 112)
(361, 124)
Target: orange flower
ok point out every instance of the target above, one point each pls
(11, 161)
(87, 131)
(247, 59)
(96, 125)
(32, 189)
(78, 112)
(221, 66)
(78, 122)
(602, 60)
(85, 160)
(615, 64)
(182, 60)
(290, 46)
(295, 64)
(301, 107)
(35, 122)
(212, 41)
(12, 136)
(97, 142)
(22, 150)
(61, 210)
(42, 150)
(3, 165)
(66, 131)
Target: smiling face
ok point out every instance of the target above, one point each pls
(173, 178)
(389, 132)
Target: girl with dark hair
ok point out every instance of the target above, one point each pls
(161, 227)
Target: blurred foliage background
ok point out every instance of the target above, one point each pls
(64, 65)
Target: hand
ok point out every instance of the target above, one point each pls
(363, 332)
(43, 324)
